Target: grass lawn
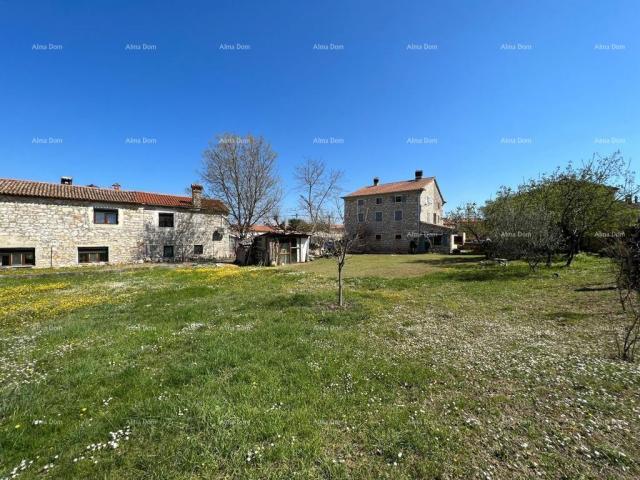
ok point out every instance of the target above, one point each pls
(439, 367)
(386, 266)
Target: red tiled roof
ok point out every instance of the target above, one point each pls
(404, 186)
(258, 228)
(262, 228)
(26, 188)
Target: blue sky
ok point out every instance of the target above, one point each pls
(504, 91)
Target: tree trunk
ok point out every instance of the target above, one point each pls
(573, 249)
(340, 292)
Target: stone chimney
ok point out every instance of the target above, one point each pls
(376, 181)
(418, 174)
(196, 195)
(66, 180)
(116, 186)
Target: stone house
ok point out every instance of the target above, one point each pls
(55, 225)
(400, 217)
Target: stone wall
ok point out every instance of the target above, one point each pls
(56, 228)
(190, 228)
(388, 234)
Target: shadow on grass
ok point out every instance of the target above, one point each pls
(447, 261)
(596, 288)
(486, 274)
(288, 301)
(567, 317)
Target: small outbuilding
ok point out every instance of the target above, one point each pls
(279, 248)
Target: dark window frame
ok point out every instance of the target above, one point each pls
(379, 217)
(106, 212)
(163, 220)
(398, 236)
(361, 202)
(165, 250)
(360, 217)
(396, 197)
(395, 215)
(93, 255)
(378, 200)
(27, 257)
(378, 237)
(198, 249)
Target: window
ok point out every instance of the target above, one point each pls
(102, 216)
(165, 220)
(378, 216)
(397, 215)
(398, 199)
(398, 236)
(434, 218)
(361, 217)
(361, 202)
(93, 254)
(198, 249)
(167, 251)
(17, 257)
(378, 200)
(378, 237)
(217, 236)
(437, 240)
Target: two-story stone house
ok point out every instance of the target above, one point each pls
(399, 217)
(54, 225)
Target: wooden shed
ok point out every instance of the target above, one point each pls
(280, 248)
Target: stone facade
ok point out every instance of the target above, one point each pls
(399, 222)
(57, 228)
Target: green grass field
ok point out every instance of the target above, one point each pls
(439, 367)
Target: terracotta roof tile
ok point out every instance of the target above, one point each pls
(393, 187)
(26, 188)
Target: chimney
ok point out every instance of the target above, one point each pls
(196, 195)
(376, 180)
(116, 186)
(418, 174)
(66, 180)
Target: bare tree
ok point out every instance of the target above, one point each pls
(242, 172)
(319, 189)
(521, 228)
(343, 246)
(626, 257)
